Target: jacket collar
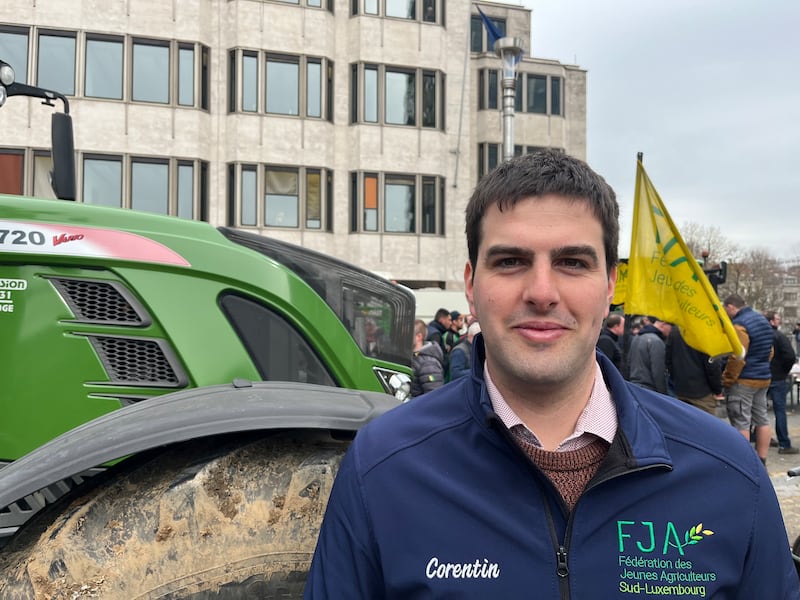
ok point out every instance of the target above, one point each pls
(639, 441)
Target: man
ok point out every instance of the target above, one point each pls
(544, 473)
(438, 327)
(781, 364)
(453, 334)
(461, 354)
(746, 381)
(427, 362)
(647, 358)
(609, 341)
(696, 378)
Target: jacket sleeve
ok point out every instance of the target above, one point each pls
(713, 374)
(734, 365)
(785, 352)
(459, 366)
(431, 374)
(658, 366)
(345, 563)
(769, 551)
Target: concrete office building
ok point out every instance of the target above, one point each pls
(354, 127)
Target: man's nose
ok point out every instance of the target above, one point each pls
(541, 286)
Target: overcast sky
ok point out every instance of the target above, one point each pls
(708, 90)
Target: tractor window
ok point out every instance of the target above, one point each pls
(279, 352)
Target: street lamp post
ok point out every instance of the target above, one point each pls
(509, 49)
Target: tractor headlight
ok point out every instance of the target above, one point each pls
(395, 383)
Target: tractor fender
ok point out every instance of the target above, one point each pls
(199, 412)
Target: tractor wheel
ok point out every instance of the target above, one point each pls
(209, 519)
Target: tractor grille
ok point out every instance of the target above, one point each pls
(138, 361)
(101, 302)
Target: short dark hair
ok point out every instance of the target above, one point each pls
(441, 313)
(613, 320)
(770, 315)
(734, 300)
(545, 172)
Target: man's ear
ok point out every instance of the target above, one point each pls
(468, 277)
(612, 285)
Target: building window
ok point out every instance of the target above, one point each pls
(314, 88)
(102, 180)
(394, 96)
(185, 191)
(282, 82)
(14, 50)
(537, 94)
(150, 71)
(281, 197)
(12, 163)
(313, 199)
(400, 98)
(478, 38)
(186, 75)
(790, 296)
(371, 202)
(399, 195)
(103, 68)
(161, 71)
(789, 312)
(311, 3)
(397, 203)
(150, 186)
(426, 11)
(371, 94)
(164, 186)
(55, 68)
(531, 94)
(555, 96)
(285, 91)
(488, 156)
(249, 195)
(249, 82)
(294, 197)
(42, 165)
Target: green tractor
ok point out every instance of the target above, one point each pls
(176, 398)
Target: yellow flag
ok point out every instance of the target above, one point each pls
(665, 280)
(621, 287)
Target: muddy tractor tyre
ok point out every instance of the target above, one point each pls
(210, 519)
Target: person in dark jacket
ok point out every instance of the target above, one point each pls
(438, 327)
(647, 359)
(453, 335)
(426, 362)
(461, 353)
(696, 379)
(544, 473)
(745, 381)
(783, 358)
(609, 341)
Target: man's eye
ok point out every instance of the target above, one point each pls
(573, 263)
(508, 262)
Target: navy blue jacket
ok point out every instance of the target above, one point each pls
(761, 336)
(435, 500)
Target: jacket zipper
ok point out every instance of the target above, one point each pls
(562, 547)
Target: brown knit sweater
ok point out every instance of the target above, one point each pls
(570, 470)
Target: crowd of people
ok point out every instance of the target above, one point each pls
(654, 355)
(442, 349)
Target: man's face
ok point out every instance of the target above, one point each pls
(540, 292)
(776, 321)
(619, 328)
(457, 323)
